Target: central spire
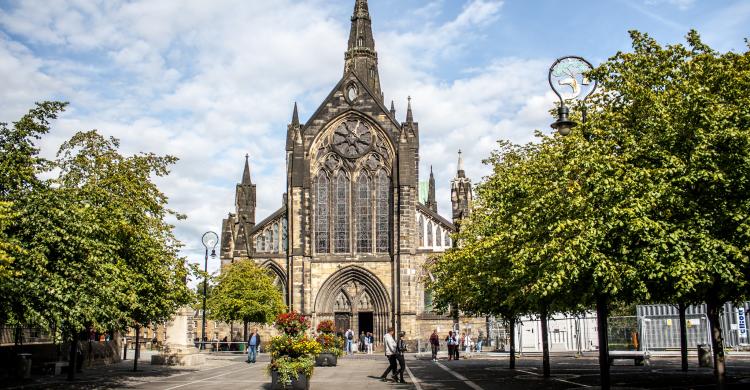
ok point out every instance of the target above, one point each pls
(361, 57)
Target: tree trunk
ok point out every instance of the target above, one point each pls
(717, 343)
(512, 364)
(244, 334)
(601, 323)
(683, 336)
(72, 356)
(545, 344)
(137, 352)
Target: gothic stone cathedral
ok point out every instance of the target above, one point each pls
(351, 238)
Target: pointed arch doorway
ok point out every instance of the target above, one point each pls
(354, 299)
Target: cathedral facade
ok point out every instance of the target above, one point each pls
(350, 241)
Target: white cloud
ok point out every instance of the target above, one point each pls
(209, 82)
(681, 4)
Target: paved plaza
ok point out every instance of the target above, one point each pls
(488, 371)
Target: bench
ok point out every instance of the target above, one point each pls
(55, 368)
(639, 357)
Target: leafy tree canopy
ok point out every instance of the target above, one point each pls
(245, 292)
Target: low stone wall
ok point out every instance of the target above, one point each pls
(95, 353)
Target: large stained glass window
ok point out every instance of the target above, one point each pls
(382, 211)
(447, 239)
(341, 214)
(438, 235)
(257, 243)
(364, 215)
(267, 240)
(429, 233)
(421, 231)
(321, 214)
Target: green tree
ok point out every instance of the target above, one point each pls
(245, 292)
(97, 252)
(681, 116)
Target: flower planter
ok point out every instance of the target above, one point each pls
(326, 359)
(301, 383)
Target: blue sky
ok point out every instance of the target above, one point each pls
(208, 81)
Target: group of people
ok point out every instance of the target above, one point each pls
(366, 341)
(455, 344)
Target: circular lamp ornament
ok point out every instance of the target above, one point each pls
(210, 239)
(567, 79)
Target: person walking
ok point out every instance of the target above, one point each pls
(400, 351)
(467, 344)
(253, 342)
(435, 344)
(390, 352)
(349, 336)
(452, 345)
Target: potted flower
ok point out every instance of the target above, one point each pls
(292, 353)
(331, 345)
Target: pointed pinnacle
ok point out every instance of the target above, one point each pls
(295, 116)
(393, 109)
(409, 115)
(246, 173)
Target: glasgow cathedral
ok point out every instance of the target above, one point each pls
(350, 241)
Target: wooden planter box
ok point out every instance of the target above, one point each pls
(301, 383)
(326, 359)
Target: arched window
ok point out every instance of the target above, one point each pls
(421, 231)
(447, 239)
(284, 235)
(429, 234)
(257, 242)
(360, 42)
(275, 238)
(364, 215)
(341, 214)
(321, 214)
(267, 240)
(383, 211)
(438, 235)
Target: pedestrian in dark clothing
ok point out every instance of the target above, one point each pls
(452, 342)
(435, 344)
(400, 350)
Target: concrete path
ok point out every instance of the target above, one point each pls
(359, 372)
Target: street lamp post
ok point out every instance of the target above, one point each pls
(210, 239)
(568, 80)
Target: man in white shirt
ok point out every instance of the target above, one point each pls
(390, 352)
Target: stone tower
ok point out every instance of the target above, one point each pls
(461, 195)
(361, 57)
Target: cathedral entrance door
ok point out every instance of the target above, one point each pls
(365, 322)
(342, 322)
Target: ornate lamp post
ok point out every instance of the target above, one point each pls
(210, 239)
(567, 80)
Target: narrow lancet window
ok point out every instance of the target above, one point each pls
(321, 214)
(364, 215)
(341, 214)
